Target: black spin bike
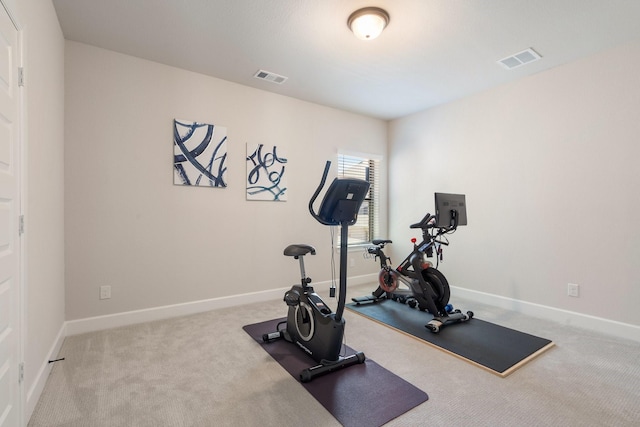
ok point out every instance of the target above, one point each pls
(426, 287)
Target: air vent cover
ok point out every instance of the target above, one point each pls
(270, 77)
(519, 59)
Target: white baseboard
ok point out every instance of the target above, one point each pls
(35, 390)
(598, 324)
(90, 324)
(611, 327)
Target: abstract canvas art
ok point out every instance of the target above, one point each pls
(265, 173)
(199, 154)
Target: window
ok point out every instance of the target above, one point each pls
(366, 168)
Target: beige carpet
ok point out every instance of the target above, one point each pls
(203, 370)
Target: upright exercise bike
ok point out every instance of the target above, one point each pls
(311, 324)
(426, 287)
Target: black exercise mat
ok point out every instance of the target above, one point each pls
(495, 348)
(361, 395)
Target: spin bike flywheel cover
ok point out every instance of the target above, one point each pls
(388, 280)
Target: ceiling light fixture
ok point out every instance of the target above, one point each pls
(367, 23)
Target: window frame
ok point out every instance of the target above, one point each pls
(364, 166)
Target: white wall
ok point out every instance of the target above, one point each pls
(44, 189)
(549, 165)
(158, 244)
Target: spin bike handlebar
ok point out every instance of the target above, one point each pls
(424, 223)
(429, 222)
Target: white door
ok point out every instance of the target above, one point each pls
(10, 295)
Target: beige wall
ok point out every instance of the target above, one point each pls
(564, 138)
(549, 165)
(158, 244)
(43, 187)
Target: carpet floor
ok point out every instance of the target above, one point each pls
(204, 370)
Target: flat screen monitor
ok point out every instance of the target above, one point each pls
(446, 204)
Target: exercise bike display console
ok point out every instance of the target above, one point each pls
(426, 287)
(311, 324)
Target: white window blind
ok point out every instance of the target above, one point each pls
(366, 227)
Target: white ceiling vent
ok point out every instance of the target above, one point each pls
(270, 77)
(519, 59)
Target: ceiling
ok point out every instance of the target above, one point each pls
(432, 51)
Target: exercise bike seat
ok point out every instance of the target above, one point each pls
(299, 250)
(380, 242)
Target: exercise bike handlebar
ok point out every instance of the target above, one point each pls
(317, 192)
(424, 223)
(429, 222)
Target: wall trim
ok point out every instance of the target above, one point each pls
(98, 323)
(34, 392)
(570, 318)
(566, 317)
(91, 324)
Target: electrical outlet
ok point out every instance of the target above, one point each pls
(573, 290)
(105, 292)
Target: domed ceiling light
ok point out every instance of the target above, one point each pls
(367, 23)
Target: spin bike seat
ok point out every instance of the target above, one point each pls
(380, 242)
(299, 250)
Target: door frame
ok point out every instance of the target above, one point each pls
(20, 193)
